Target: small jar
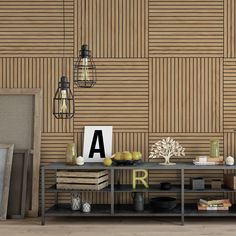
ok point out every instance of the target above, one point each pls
(229, 161)
(80, 161)
(71, 154)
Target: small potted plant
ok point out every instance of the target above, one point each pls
(166, 148)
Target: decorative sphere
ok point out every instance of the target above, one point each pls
(80, 161)
(86, 207)
(229, 161)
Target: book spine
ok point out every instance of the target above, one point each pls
(213, 208)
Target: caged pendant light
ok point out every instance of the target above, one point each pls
(84, 70)
(63, 101)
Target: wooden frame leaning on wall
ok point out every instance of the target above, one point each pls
(37, 93)
(18, 185)
(6, 155)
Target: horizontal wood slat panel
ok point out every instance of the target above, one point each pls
(120, 97)
(35, 29)
(53, 146)
(186, 95)
(229, 95)
(195, 144)
(186, 28)
(42, 73)
(113, 28)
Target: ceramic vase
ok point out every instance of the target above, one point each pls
(71, 154)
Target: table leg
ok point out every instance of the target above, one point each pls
(182, 196)
(112, 192)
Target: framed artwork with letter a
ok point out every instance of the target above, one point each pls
(97, 143)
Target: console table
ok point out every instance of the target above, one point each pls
(182, 210)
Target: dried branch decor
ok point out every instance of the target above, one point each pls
(166, 148)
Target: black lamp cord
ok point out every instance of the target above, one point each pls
(64, 37)
(85, 18)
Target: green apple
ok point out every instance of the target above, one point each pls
(136, 156)
(127, 156)
(117, 156)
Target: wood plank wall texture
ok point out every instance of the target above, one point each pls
(165, 68)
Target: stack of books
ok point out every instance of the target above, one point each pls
(214, 205)
(206, 160)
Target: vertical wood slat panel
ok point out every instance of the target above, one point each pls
(114, 28)
(120, 97)
(186, 28)
(185, 95)
(229, 144)
(42, 73)
(230, 150)
(35, 28)
(195, 144)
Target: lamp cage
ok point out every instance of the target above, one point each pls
(63, 101)
(84, 69)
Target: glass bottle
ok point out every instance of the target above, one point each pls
(215, 149)
(71, 154)
(75, 201)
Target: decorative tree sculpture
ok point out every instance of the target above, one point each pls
(166, 148)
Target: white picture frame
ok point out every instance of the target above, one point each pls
(93, 149)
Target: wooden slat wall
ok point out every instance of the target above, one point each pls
(229, 94)
(195, 143)
(165, 68)
(30, 72)
(186, 95)
(229, 29)
(186, 28)
(53, 146)
(35, 28)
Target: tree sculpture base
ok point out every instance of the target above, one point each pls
(167, 164)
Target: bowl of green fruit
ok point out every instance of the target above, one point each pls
(127, 158)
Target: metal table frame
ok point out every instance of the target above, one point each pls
(148, 166)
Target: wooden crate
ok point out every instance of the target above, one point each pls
(230, 181)
(82, 180)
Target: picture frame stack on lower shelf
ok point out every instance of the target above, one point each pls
(182, 209)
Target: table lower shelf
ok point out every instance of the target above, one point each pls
(65, 210)
(128, 210)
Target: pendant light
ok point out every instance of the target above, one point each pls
(63, 101)
(84, 70)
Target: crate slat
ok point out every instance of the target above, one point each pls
(83, 186)
(89, 174)
(82, 180)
